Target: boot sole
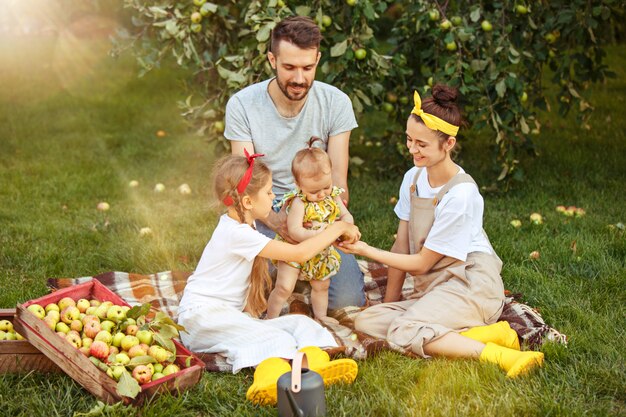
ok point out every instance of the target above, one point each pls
(338, 371)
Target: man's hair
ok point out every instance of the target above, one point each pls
(298, 30)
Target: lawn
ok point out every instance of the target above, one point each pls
(76, 126)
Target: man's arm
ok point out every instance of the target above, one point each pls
(339, 153)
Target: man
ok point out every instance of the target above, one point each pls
(278, 116)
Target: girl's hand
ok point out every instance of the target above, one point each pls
(356, 248)
(351, 235)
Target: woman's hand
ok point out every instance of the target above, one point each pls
(351, 233)
(356, 248)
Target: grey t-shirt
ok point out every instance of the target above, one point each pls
(251, 116)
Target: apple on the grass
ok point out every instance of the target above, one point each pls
(83, 304)
(142, 374)
(129, 342)
(145, 336)
(37, 310)
(99, 350)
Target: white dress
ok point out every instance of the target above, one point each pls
(211, 309)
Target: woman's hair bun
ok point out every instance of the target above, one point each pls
(445, 96)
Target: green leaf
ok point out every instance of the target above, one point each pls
(475, 15)
(339, 48)
(158, 12)
(479, 64)
(303, 10)
(141, 360)
(524, 125)
(264, 33)
(138, 311)
(128, 386)
(164, 342)
(363, 97)
(501, 88)
(163, 318)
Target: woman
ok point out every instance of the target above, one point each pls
(441, 242)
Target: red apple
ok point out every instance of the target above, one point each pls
(91, 329)
(99, 349)
(142, 374)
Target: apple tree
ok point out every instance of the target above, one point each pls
(378, 52)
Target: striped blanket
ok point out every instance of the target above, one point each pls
(163, 291)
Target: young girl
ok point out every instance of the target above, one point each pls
(315, 202)
(227, 291)
(440, 240)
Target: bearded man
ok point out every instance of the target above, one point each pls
(278, 116)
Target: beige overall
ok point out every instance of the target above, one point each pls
(453, 296)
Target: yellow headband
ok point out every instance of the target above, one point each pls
(432, 121)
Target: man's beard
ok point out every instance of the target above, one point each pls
(284, 88)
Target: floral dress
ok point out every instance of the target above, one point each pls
(326, 263)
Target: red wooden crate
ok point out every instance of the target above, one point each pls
(80, 368)
(19, 356)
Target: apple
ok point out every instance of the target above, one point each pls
(327, 20)
(116, 314)
(580, 212)
(6, 326)
(69, 314)
(145, 336)
(218, 126)
(145, 231)
(3, 335)
(82, 305)
(159, 353)
(128, 342)
(161, 133)
(144, 347)
(133, 184)
(52, 307)
(524, 97)
(184, 189)
(55, 315)
(550, 38)
(89, 318)
(158, 367)
(61, 335)
(99, 349)
(486, 25)
(76, 325)
(10, 335)
(66, 302)
(404, 100)
(521, 9)
(51, 322)
(117, 339)
(387, 107)
(87, 341)
(516, 223)
(445, 25)
(430, 81)
(393, 200)
(37, 310)
(151, 366)
(94, 303)
(92, 328)
(536, 218)
(62, 327)
(196, 17)
(117, 371)
(84, 350)
(104, 336)
(132, 329)
(103, 206)
(137, 350)
(433, 15)
(101, 311)
(113, 350)
(159, 188)
(74, 340)
(457, 21)
(91, 311)
(121, 358)
(451, 46)
(199, 2)
(534, 255)
(142, 374)
(561, 209)
(157, 375)
(360, 54)
(170, 369)
(351, 2)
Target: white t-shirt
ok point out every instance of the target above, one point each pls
(458, 227)
(223, 273)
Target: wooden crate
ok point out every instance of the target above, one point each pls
(19, 356)
(80, 368)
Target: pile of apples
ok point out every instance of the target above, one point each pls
(7, 332)
(114, 342)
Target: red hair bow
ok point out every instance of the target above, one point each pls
(245, 180)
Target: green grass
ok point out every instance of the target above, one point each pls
(74, 135)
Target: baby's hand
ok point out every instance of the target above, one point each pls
(352, 235)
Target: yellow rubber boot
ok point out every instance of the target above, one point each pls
(499, 333)
(332, 372)
(263, 389)
(513, 361)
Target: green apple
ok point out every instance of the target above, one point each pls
(91, 311)
(69, 314)
(521, 9)
(218, 126)
(170, 369)
(51, 322)
(104, 336)
(37, 310)
(524, 97)
(159, 353)
(95, 303)
(107, 325)
(87, 341)
(207, 9)
(122, 358)
(457, 21)
(433, 15)
(117, 339)
(360, 54)
(550, 37)
(158, 367)
(327, 20)
(196, 17)
(10, 336)
(101, 311)
(430, 81)
(387, 107)
(83, 304)
(199, 2)
(53, 307)
(3, 335)
(157, 375)
(195, 27)
(351, 2)
(116, 314)
(486, 25)
(451, 46)
(74, 340)
(137, 350)
(280, 3)
(62, 327)
(404, 100)
(6, 325)
(445, 25)
(145, 336)
(117, 371)
(128, 342)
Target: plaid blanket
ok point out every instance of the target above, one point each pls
(163, 291)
